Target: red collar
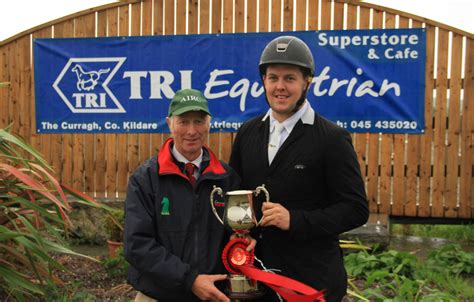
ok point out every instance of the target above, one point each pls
(168, 166)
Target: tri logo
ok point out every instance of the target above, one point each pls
(83, 85)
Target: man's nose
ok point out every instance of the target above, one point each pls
(280, 85)
(191, 128)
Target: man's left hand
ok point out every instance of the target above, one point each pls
(274, 214)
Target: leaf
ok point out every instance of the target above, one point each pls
(37, 187)
(5, 135)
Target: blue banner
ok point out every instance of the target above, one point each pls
(365, 80)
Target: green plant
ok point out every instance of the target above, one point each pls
(34, 211)
(399, 276)
(117, 266)
(114, 223)
(451, 258)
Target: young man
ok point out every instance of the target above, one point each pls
(310, 169)
(172, 239)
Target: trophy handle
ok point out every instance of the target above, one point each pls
(267, 195)
(218, 191)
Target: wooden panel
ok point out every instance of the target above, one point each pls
(122, 138)
(386, 158)
(213, 140)
(193, 16)
(158, 26)
(204, 16)
(133, 138)
(466, 201)
(217, 16)
(4, 87)
(288, 15)
(252, 10)
(325, 14)
(25, 101)
(82, 28)
(454, 128)
(373, 144)
(100, 140)
(156, 139)
(169, 17)
(147, 23)
(276, 15)
(360, 139)
(377, 19)
(63, 30)
(300, 15)
(85, 27)
(264, 14)
(14, 72)
(227, 16)
(351, 16)
(412, 160)
(439, 136)
(224, 139)
(111, 138)
(338, 15)
(313, 14)
(364, 19)
(410, 167)
(398, 147)
(427, 138)
(144, 139)
(239, 16)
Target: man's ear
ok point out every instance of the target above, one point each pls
(309, 81)
(168, 122)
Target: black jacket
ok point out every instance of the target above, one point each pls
(171, 234)
(316, 176)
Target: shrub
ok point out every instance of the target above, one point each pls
(34, 211)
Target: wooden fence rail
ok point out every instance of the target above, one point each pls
(428, 175)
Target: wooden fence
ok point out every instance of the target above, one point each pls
(428, 175)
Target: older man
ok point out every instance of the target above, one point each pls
(172, 239)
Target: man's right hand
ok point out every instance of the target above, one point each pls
(204, 288)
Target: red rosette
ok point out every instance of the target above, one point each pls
(235, 255)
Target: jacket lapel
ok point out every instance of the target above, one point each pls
(296, 133)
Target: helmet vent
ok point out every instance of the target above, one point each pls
(283, 46)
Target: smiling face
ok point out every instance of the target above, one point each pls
(190, 131)
(284, 85)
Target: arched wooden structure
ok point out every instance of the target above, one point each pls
(429, 175)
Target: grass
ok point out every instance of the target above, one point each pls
(450, 232)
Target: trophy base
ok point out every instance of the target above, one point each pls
(242, 288)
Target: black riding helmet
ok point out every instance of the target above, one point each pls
(288, 50)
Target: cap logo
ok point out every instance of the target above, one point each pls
(189, 98)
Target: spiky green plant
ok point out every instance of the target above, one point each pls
(34, 218)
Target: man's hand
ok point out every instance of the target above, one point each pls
(204, 288)
(274, 214)
(249, 240)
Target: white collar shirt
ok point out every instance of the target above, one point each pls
(180, 157)
(287, 124)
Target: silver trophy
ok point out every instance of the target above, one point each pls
(239, 215)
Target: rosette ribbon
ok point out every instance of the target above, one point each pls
(239, 261)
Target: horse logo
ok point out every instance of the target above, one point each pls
(87, 80)
(83, 85)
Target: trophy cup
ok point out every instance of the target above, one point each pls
(240, 217)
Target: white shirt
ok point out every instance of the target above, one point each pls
(180, 157)
(288, 124)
